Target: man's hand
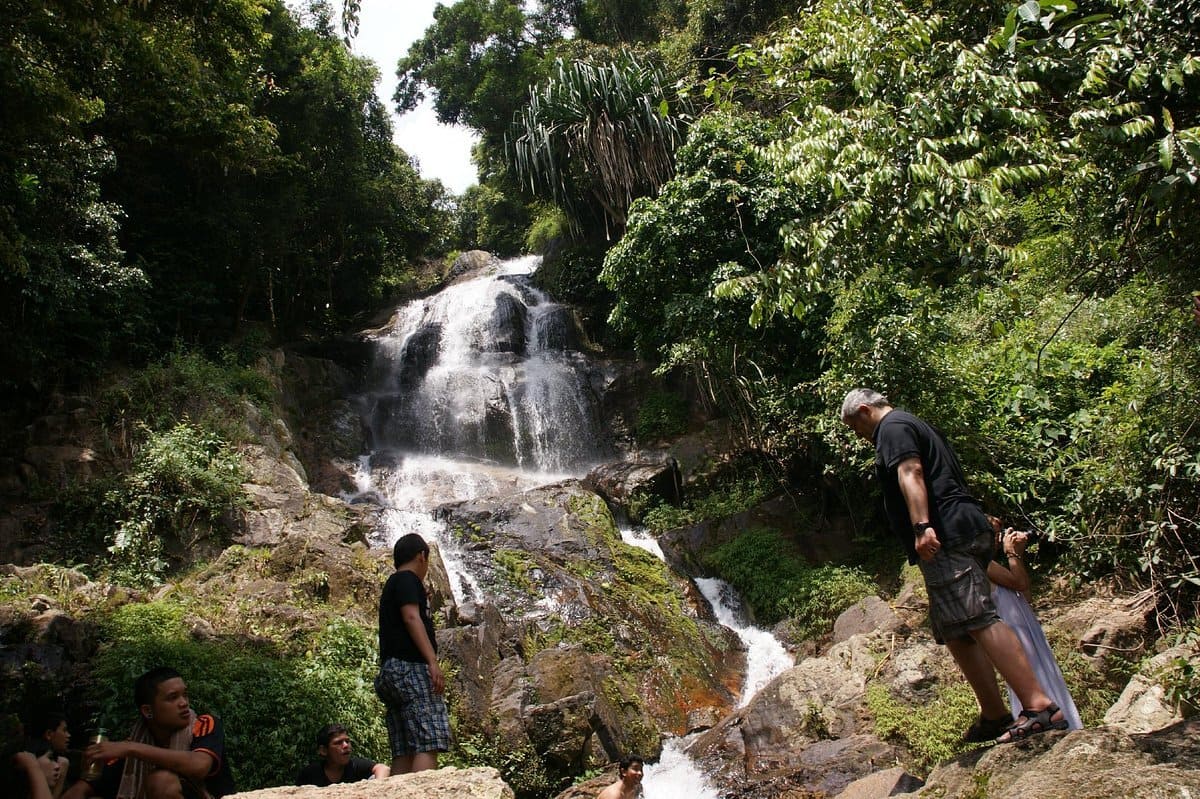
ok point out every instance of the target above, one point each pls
(928, 544)
(437, 678)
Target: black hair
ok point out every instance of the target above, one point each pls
(329, 732)
(628, 761)
(145, 688)
(407, 548)
(48, 722)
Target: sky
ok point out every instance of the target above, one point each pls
(386, 29)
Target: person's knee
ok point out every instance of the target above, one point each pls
(163, 784)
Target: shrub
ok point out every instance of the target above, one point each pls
(661, 415)
(271, 705)
(549, 225)
(181, 482)
(521, 768)
(183, 385)
(719, 499)
(931, 733)
(778, 584)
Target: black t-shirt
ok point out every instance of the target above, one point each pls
(954, 513)
(402, 588)
(359, 768)
(207, 736)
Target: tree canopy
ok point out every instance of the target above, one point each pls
(175, 171)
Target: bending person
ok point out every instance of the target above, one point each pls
(1010, 588)
(943, 530)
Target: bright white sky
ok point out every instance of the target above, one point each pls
(386, 29)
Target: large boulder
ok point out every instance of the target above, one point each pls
(818, 701)
(576, 614)
(1143, 706)
(1107, 626)
(443, 783)
(627, 485)
(472, 263)
(1097, 764)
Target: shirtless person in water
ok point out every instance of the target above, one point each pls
(629, 781)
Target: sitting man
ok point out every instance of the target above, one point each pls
(629, 780)
(171, 751)
(337, 763)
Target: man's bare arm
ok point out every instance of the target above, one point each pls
(193, 765)
(411, 615)
(910, 475)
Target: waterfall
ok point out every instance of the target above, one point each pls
(766, 657)
(481, 389)
(488, 369)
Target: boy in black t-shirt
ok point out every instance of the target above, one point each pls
(410, 681)
(337, 763)
(171, 751)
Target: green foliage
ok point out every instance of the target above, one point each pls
(932, 732)
(270, 704)
(722, 498)
(1181, 678)
(480, 56)
(661, 415)
(596, 135)
(987, 217)
(777, 583)
(490, 218)
(181, 483)
(168, 174)
(547, 228)
(183, 384)
(520, 767)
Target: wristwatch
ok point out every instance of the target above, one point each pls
(921, 527)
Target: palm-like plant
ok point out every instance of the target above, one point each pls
(598, 134)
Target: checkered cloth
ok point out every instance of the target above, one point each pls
(417, 720)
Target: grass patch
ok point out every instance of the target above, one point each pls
(932, 732)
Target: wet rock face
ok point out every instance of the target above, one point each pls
(505, 331)
(558, 329)
(419, 354)
(568, 675)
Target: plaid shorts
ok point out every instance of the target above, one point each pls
(960, 596)
(417, 720)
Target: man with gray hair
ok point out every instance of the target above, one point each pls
(944, 530)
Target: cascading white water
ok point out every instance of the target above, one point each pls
(480, 389)
(488, 369)
(676, 775)
(638, 537)
(766, 657)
